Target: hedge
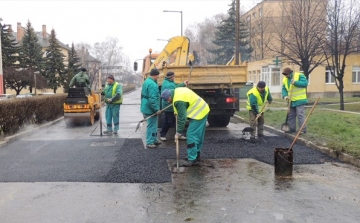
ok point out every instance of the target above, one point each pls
(15, 113)
(35, 110)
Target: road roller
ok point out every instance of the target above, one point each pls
(81, 107)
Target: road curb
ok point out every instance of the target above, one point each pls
(344, 157)
(16, 136)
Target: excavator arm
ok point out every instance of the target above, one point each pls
(179, 45)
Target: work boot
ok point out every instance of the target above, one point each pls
(163, 138)
(115, 132)
(182, 137)
(157, 143)
(198, 157)
(108, 132)
(260, 135)
(151, 146)
(252, 139)
(188, 163)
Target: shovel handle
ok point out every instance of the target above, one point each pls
(303, 125)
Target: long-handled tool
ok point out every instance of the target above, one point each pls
(285, 126)
(283, 157)
(303, 125)
(177, 147)
(145, 119)
(262, 110)
(177, 169)
(191, 68)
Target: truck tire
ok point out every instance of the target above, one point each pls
(218, 120)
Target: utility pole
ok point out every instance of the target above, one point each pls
(237, 51)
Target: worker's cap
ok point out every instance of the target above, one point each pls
(287, 71)
(154, 72)
(111, 77)
(261, 84)
(83, 69)
(166, 94)
(170, 74)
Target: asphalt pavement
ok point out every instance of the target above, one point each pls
(62, 174)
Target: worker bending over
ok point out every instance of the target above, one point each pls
(169, 119)
(257, 97)
(188, 105)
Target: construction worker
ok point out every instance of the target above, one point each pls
(169, 119)
(299, 83)
(257, 97)
(81, 79)
(113, 99)
(150, 105)
(188, 105)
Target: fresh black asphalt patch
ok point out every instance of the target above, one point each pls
(117, 160)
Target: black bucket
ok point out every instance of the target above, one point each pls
(283, 161)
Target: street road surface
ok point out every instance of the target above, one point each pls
(62, 174)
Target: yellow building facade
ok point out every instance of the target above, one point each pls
(321, 82)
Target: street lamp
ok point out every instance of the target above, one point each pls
(181, 19)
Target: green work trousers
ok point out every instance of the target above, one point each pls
(195, 137)
(112, 115)
(151, 130)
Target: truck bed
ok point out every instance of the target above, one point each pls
(209, 76)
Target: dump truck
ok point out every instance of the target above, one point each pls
(81, 106)
(217, 84)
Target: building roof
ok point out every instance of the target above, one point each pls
(44, 42)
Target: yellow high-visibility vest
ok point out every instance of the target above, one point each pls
(297, 93)
(256, 93)
(197, 109)
(113, 93)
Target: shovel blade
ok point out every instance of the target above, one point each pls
(285, 127)
(138, 126)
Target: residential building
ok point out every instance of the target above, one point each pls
(267, 22)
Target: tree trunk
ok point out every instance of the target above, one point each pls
(341, 92)
(55, 90)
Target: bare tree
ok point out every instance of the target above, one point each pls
(300, 32)
(259, 34)
(109, 53)
(343, 33)
(201, 36)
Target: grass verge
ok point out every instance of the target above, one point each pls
(338, 131)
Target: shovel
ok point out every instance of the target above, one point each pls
(138, 125)
(285, 126)
(178, 169)
(262, 110)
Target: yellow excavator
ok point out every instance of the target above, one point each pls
(216, 84)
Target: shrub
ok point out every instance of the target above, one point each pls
(17, 112)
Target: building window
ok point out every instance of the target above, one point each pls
(265, 75)
(260, 12)
(329, 79)
(275, 76)
(254, 15)
(356, 74)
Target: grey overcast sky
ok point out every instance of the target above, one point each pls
(137, 23)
